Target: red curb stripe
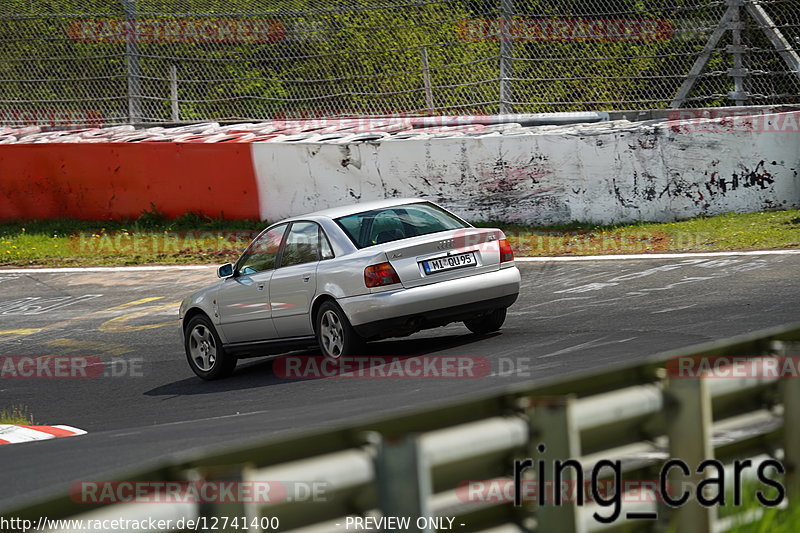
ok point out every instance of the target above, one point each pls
(56, 432)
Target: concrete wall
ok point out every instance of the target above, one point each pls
(607, 172)
(604, 172)
(97, 181)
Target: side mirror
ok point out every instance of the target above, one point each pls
(225, 271)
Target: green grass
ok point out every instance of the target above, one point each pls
(750, 516)
(149, 239)
(749, 231)
(771, 519)
(16, 414)
(194, 238)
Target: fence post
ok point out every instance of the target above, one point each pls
(426, 78)
(553, 426)
(738, 72)
(506, 56)
(132, 61)
(689, 426)
(404, 481)
(173, 92)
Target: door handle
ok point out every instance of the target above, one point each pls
(306, 277)
(261, 287)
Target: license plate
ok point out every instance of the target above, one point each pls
(431, 266)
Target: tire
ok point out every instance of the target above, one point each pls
(335, 336)
(204, 351)
(487, 323)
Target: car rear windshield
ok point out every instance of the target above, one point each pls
(398, 222)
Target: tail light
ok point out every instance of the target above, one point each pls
(380, 275)
(506, 253)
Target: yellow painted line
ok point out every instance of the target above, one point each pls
(21, 331)
(77, 346)
(131, 304)
(82, 317)
(120, 324)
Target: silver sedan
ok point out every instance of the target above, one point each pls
(341, 277)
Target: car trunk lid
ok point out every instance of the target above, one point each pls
(444, 255)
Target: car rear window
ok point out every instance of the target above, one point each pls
(398, 222)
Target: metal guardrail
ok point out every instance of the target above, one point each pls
(417, 464)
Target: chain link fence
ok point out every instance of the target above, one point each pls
(166, 61)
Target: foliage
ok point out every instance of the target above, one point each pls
(16, 414)
(336, 57)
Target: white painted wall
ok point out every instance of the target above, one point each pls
(606, 172)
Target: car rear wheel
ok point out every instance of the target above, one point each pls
(204, 350)
(487, 323)
(335, 335)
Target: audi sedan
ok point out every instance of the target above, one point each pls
(341, 277)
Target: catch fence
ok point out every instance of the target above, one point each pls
(170, 61)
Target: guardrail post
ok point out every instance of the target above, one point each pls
(553, 427)
(233, 476)
(404, 480)
(689, 426)
(790, 391)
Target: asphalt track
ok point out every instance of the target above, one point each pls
(570, 316)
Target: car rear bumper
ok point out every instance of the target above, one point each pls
(404, 311)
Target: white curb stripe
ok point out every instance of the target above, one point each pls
(76, 431)
(623, 257)
(13, 434)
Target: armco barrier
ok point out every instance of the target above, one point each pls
(428, 462)
(480, 167)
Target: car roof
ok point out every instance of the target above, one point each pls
(336, 212)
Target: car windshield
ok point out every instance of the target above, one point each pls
(397, 222)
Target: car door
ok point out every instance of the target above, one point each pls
(243, 299)
(294, 282)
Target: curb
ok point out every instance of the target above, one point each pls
(13, 434)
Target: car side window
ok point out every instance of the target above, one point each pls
(262, 254)
(325, 250)
(302, 244)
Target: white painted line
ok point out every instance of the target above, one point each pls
(104, 269)
(534, 259)
(623, 257)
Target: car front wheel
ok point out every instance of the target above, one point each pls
(487, 323)
(204, 350)
(335, 335)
